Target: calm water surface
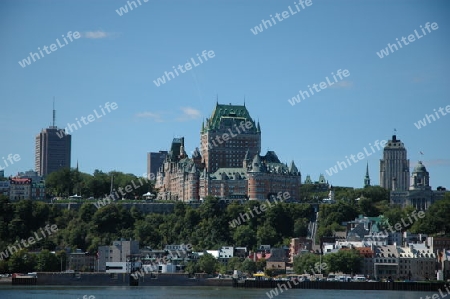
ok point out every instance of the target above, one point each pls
(22, 292)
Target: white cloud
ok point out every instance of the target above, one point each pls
(97, 34)
(147, 114)
(342, 84)
(436, 162)
(189, 114)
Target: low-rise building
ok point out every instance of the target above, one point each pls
(4, 188)
(225, 253)
(298, 245)
(38, 190)
(416, 262)
(119, 251)
(277, 261)
(385, 262)
(19, 189)
(82, 261)
(367, 254)
(412, 262)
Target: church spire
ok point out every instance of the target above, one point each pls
(367, 178)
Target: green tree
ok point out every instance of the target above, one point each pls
(22, 262)
(267, 235)
(346, 261)
(261, 264)
(249, 266)
(208, 263)
(47, 261)
(60, 182)
(192, 267)
(234, 263)
(435, 219)
(301, 227)
(367, 208)
(244, 236)
(303, 263)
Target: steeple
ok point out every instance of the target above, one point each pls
(367, 178)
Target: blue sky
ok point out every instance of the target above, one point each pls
(118, 57)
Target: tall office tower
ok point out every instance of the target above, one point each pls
(53, 149)
(394, 167)
(227, 136)
(155, 161)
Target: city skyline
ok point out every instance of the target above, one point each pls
(115, 58)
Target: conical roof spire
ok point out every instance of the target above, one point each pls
(292, 168)
(367, 178)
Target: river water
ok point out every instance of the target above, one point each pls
(41, 292)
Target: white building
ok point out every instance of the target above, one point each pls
(119, 251)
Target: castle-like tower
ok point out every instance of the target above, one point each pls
(177, 178)
(394, 167)
(226, 137)
(228, 165)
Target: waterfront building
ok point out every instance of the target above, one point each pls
(411, 262)
(81, 261)
(116, 253)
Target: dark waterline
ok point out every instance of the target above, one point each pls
(33, 292)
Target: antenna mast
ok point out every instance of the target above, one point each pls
(54, 112)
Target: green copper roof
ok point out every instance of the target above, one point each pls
(308, 180)
(228, 115)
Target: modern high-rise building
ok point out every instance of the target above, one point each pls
(154, 162)
(394, 167)
(53, 149)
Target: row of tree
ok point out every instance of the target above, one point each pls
(66, 182)
(205, 227)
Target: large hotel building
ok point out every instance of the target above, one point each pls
(228, 164)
